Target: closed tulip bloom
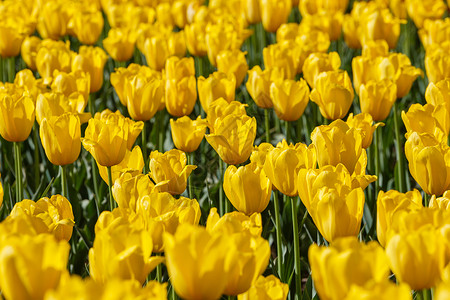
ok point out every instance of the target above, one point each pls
(252, 11)
(350, 27)
(404, 73)
(10, 41)
(383, 290)
(248, 188)
(434, 32)
(53, 55)
(29, 49)
(233, 62)
(364, 123)
(233, 138)
(32, 265)
(17, 116)
(73, 82)
(380, 24)
(419, 11)
(144, 95)
(289, 98)
(437, 63)
(258, 85)
(121, 76)
(335, 206)
(178, 68)
(187, 134)
(417, 257)
(377, 98)
(283, 163)
(120, 43)
(53, 19)
(317, 63)
(234, 222)
(181, 96)
(274, 13)
(197, 262)
(195, 38)
(129, 188)
(266, 288)
(87, 26)
(107, 142)
(221, 108)
(428, 160)
(334, 270)
(133, 162)
(281, 56)
(389, 203)
(61, 138)
(438, 93)
(337, 143)
(56, 104)
(433, 120)
(169, 171)
(217, 85)
(91, 60)
(333, 94)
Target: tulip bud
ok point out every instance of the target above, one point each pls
(217, 85)
(87, 26)
(377, 98)
(233, 62)
(281, 56)
(10, 41)
(187, 134)
(53, 19)
(274, 13)
(289, 98)
(120, 43)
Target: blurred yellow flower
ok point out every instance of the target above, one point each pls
(274, 13)
(120, 43)
(289, 98)
(266, 288)
(92, 61)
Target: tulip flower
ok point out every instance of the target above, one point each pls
(77, 82)
(221, 108)
(17, 112)
(266, 288)
(87, 26)
(333, 94)
(29, 50)
(289, 98)
(159, 47)
(252, 10)
(217, 85)
(328, 23)
(364, 123)
(282, 56)
(233, 138)
(434, 32)
(52, 56)
(274, 13)
(317, 63)
(132, 162)
(61, 138)
(438, 93)
(380, 290)
(53, 19)
(47, 215)
(120, 43)
(311, 7)
(404, 72)
(350, 27)
(433, 120)
(417, 257)
(129, 188)
(10, 41)
(248, 188)
(91, 60)
(337, 143)
(437, 63)
(197, 262)
(195, 39)
(169, 171)
(259, 153)
(233, 62)
(335, 206)
(258, 85)
(334, 271)
(234, 222)
(389, 203)
(187, 134)
(377, 98)
(283, 163)
(25, 276)
(422, 10)
(442, 203)
(56, 104)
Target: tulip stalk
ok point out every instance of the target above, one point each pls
(288, 131)
(298, 275)
(2, 62)
(425, 294)
(400, 167)
(266, 123)
(64, 186)
(221, 198)
(18, 171)
(144, 148)
(276, 204)
(111, 199)
(190, 158)
(377, 161)
(11, 68)
(36, 156)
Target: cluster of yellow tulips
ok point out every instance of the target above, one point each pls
(197, 116)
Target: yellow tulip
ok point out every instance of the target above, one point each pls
(438, 93)
(377, 98)
(234, 222)
(217, 85)
(283, 163)
(328, 23)
(282, 56)
(158, 48)
(143, 95)
(32, 265)
(10, 41)
(258, 85)
(169, 171)
(266, 288)
(420, 10)
(259, 153)
(289, 98)
(364, 123)
(132, 162)
(252, 11)
(52, 20)
(17, 112)
(73, 82)
(197, 262)
(433, 120)
(350, 27)
(122, 75)
(187, 134)
(312, 7)
(221, 108)
(337, 143)
(434, 32)
(91, 60)
(26, 80)
(334, 270)
(374, 49)
(403, 72)
(380, 24)
(233, 62)
(437, 62)
(317, 63)
(287, 32)
(29, 50)
(178, 68)
(195, 38)
(233, 138)
(417, 257)
(333, 94)
(120, 43)
(335, 206)
(56, 104)
(274, 13)
(53, 55)
(129, 188)
(61, 138)
(383, 290)
(87, 26)
(180, 96)
(441, 202)
(248, 188)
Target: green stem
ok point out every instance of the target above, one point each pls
(276, 204)
(298, 275)
(221, 198)
(426, 199)
(144, 148)
(112, 203)
(190, 159)
(64, 186)
(398, 146)
(426, 294)
(91, 105)
(227, 202)
(287, 125)
(173, 295)
(160, 132)
(266, 123)
(96, 190)
(2, 62)
(36, 156)
(159, 273)
(11, 69)
(377, 161)
(18, 170)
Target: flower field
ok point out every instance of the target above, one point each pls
(238, 149)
